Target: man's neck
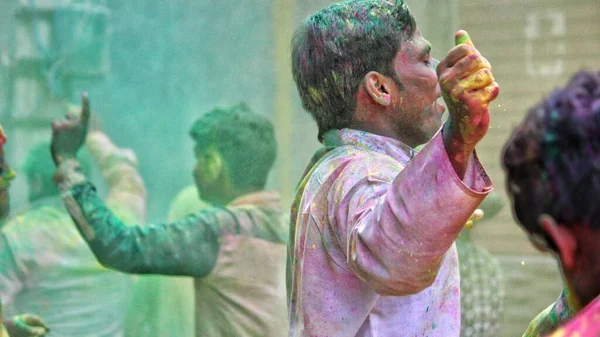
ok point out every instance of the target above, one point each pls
(380, 127)
(230, 196)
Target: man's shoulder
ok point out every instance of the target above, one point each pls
(583, 324)
(35, 218)
(352, 162)
(258, 221)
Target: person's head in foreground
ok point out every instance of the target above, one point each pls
(364, 65)
(235, 149)
(552, 163)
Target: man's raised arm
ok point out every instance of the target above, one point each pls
(187, 247)
(119, 167)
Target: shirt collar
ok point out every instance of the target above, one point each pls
(381, 144)
(260, 198)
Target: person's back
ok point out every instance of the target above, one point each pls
(59, 277)
(244, 293)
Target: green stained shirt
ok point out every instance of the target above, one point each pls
(236, 255)
(552, 317)
(152, 249)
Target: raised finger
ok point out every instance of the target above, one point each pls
(85, 110)
(462, 37)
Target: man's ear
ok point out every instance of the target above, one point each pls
(377, 87)
(563, 239)
(213, 164)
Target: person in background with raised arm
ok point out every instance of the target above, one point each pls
(235, 249)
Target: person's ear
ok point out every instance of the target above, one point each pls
(378, 88)
(563, 238)
(213, 165)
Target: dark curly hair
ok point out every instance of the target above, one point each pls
(245, 140)
(336, 47)
(552, 161)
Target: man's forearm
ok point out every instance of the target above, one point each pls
(399, 246)
(187, 247)
(119, 169)
(458, 152)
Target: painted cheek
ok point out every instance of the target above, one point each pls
(401, 63)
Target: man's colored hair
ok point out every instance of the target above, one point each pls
(553, 158)
(336, 47)
(245, 140)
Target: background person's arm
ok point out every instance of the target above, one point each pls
(119, 168)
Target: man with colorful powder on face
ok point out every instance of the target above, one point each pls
(552, 165)
(372, 249)
(235, 250)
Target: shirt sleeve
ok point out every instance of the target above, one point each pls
(554, 316)
(10, 282)
(126, 188)
(187, 247)
(395, 224)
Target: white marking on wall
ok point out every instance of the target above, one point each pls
(545, 43)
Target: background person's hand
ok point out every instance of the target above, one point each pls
(26, 325)
(69, 134)
(76, 110)
(476, 216)
(468, 86)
